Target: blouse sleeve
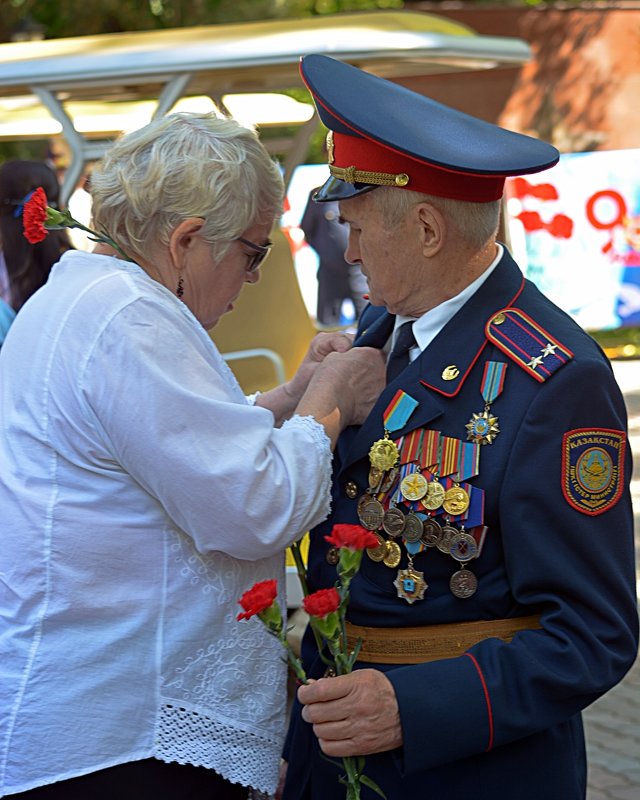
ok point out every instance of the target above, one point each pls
(159, 395)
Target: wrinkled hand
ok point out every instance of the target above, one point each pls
(353, 715)
(321, 345)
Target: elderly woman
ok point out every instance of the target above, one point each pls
(142, 493)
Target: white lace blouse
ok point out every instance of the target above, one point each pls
(140, 496)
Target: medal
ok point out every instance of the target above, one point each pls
(410, 584)
(393, 521)
(388, 480)
(392, 556)
(375, 478)
(434, 496)
(371, 514)
(414, 486)
(463, 583)
(431, 532)
(384, 453)
(456, 500)
(463, 547)
(412, 528)
(483, 428)
(444, 543)
(377, 553)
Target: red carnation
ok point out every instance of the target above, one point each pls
(353, 537)
(322, 602)
(34, 216)
(258, 598)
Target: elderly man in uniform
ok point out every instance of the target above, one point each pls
(494, 471)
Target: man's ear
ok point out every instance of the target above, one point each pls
(182, 240)
(434, 228)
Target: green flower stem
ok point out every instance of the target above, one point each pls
(300, 567)
(302, 577)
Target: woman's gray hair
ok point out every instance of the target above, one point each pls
(179, 166)
(475, 223)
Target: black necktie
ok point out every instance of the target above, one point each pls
(399, 355)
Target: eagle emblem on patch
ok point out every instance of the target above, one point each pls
(593, 469)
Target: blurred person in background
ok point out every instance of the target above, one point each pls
(338, 280)
(25, 267)
(142, 492)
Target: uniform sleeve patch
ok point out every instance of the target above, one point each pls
(593, 469)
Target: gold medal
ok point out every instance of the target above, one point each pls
(410, 584)
(393, 555)
(414, 486)
(434, 496)
(456, 501)
(482, 428)
(375, 477)
(379, 552)
(384, 454)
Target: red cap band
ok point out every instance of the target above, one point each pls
(370, 156)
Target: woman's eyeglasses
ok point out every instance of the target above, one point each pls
(261, 252)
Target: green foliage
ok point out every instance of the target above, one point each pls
(78, 17)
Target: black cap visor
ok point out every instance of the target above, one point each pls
(335, 189)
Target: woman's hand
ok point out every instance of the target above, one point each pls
(321, 345)
(343, 389)
(283, 400)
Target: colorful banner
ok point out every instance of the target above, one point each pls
(575, 232)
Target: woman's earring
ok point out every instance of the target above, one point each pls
(180, 289)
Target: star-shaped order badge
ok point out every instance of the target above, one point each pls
(483, 428)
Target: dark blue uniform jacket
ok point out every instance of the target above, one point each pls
(503, 720)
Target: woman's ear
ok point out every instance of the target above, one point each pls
(434, 228)
(182, 240)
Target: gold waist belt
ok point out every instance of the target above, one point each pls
(431, 642)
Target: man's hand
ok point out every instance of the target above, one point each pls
(353, 715)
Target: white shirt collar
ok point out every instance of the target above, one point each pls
(429, 325)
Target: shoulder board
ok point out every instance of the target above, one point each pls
(525, 342)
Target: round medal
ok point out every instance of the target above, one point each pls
(393, 521)
(444, 543)
(383, 454)
(431, 532)
(393, 555)
(414, 486)
(463, 584)
(412, 528)
(456, 501)
(377, 553)
(434, 496)
(371, 514)
(463, 547)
